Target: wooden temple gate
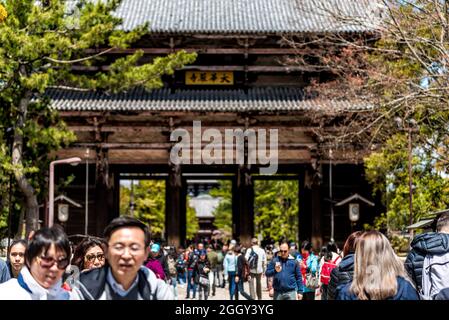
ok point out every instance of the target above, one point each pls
(239, 81)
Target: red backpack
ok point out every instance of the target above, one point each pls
(326, 270)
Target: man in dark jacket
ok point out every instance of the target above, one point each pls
(287, 282)
(125, 278)
(341, 275)
(425, 246)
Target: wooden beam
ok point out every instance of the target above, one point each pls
(167, 145)
(215, 68)
(202, 50)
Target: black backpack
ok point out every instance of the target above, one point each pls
(253, 259)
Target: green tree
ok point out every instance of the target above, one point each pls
(387, 171)
(40, 41)
(149, 207)
(276, 209)
(192, 222)
(149, 199)
(223, 212)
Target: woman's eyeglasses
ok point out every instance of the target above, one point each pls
(91, 257)
(48, 262)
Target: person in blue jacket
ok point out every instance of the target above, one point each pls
(309, 265)
(286, 273)
(378, 273)
(4, 272)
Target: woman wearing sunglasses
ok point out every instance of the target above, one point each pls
(89, 254)
(46, 258)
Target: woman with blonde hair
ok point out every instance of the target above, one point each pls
(378, 273)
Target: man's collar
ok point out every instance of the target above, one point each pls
(117, 287)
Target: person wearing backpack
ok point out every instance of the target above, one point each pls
(193, 256)
(201, 274)
(156, 262)
(309, 270)
(230, 270)
(213, 260)
(327, 264)
(242, 275)
(427, 263)
(172, 270)
(257, 260)
(181, 267)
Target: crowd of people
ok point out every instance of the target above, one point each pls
(127, 265)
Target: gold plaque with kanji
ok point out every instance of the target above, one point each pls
(220, 78)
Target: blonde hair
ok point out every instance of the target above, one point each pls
(376, 268)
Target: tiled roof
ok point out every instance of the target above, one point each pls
(257, 99)
(250, 16)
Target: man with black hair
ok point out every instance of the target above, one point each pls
(286, 273)
(428, 261)
(125, 278)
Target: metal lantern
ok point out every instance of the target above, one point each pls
(63, 212)
(354, 212)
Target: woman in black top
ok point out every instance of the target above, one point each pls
(239, 277)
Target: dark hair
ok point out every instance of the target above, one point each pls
(351, 242)
(23, 242)
(326, 253)
(237, 248)
(443, 221)
(306, 245)
(332, 247)
(42, 241)
(126, 222)
(14, 243)
(83, 247)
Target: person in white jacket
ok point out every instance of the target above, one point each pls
(125, 277)
(257, 259)
(46, 258)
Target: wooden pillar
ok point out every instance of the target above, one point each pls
(175, 220)
(103, 192)
(317, 216)
(245, 206)
(305, 206)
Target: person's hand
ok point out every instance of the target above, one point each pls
(237, 279)
(206, 270)
(298, 296)
(278, 268)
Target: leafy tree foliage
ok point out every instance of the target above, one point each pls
(40, 41)
(387, 171)
(223, 212)
(275, 208)
(149, 207)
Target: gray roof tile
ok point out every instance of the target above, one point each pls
(256, 99)
(249, 16)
